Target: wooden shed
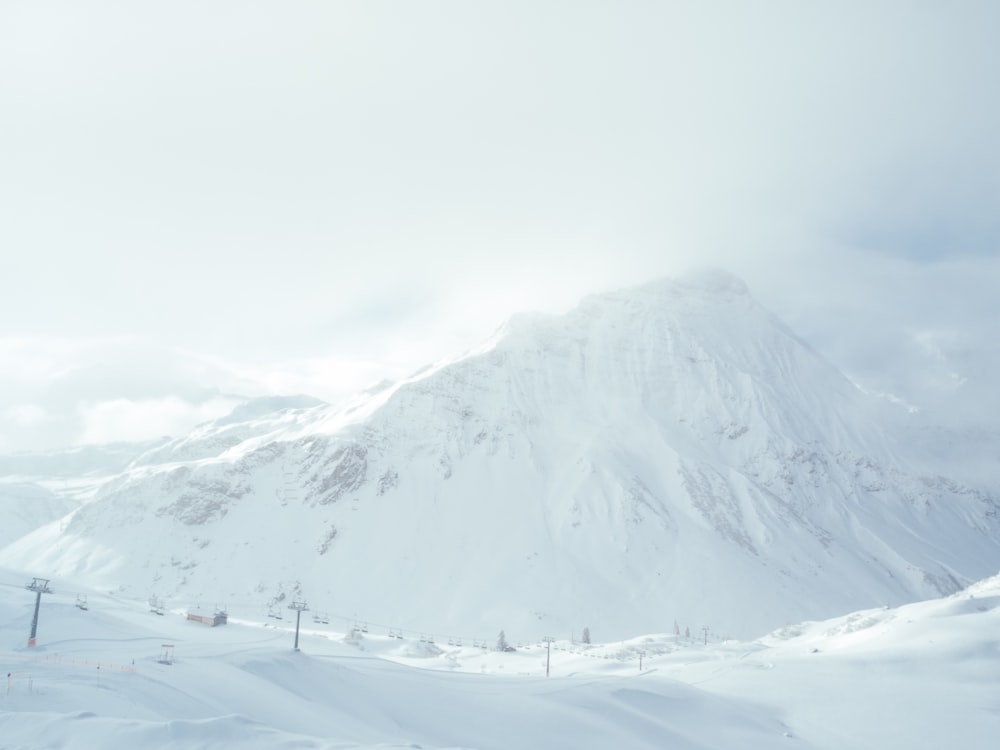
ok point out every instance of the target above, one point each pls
(219, 617)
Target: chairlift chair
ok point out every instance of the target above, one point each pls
(166, 654)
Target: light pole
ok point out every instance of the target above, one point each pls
(299, 608)
(548, 648)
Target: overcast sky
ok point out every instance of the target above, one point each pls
(205, 200)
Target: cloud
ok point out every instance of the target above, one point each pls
(127, 420)
(343, 191)
(59, 392)
(24, 416)
(923, 331)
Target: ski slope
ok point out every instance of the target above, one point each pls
(925, 675)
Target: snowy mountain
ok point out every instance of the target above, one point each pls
(25, 507)
(39, 487)
(74, 463)
(670, 453)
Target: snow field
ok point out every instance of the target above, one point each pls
(922, 675)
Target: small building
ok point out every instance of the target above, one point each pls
(219, 617)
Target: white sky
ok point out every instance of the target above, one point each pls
(207, 199)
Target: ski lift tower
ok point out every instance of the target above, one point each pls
(548, 650)
(299, 608)
(39, 586)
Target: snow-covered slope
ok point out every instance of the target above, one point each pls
(921, 675)
(25, 507)
(660, 454)
(39, 487)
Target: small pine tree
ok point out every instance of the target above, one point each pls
(586, 635)
(502, 644)
(687, 632)
(677, 628)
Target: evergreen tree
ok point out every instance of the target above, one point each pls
(502, 644)
(586, 635)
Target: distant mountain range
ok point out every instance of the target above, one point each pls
(669, 455)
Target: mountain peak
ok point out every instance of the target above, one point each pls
(706, 284)
(666, 295)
